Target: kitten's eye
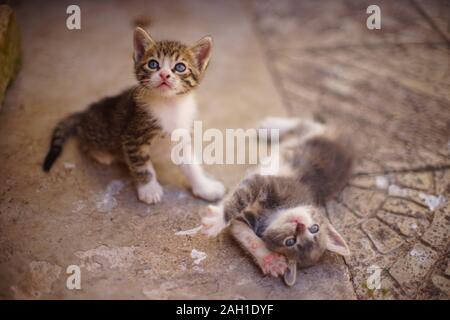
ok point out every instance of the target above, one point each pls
(314, 228)
(289, 242)
(153, 64)
(180, 67)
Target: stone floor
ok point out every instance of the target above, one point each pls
(388, 88)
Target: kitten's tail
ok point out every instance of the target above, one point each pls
(284, 125)
(326, 157)
(326, 166)
(63, 130)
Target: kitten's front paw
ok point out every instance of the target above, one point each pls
(151, 192)
(274, 264)
(214, 221)
(209, 189)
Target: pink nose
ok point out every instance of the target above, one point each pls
(164, 75)
(300, 227)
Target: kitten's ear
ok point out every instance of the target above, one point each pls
(142, 42)
(202, 52)
(335, 242)
(290, 275)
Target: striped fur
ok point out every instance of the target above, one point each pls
(123, 126)
(282, 207)
(64, 129)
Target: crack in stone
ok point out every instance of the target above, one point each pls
(430, 21)
(351, 277)
(425, 168)
(431, 271)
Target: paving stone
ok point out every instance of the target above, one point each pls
(360, 246)
(429, 291)
(411, 269)
(436, 285)
(362, 270)
(442, 283)
(443, 182)
(438, 234)
(366, 166)
(388, 290)
(417, 180)
(384, 238)
(408, 226)
(360, 275)
(364, 202)
(340, 216)
(405, 207)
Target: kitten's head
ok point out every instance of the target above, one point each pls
(169, 68)
(302, 234)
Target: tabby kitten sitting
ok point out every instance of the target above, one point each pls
(279, 218)
(122, 127)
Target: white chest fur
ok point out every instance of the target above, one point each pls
(174, 112)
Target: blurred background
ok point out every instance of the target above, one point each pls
(388, 89)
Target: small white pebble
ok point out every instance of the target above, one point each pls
(189, 232)
(198, 256)
(433, 202)
(395, 190)
(381, 182)
(69, 165)
(417, 253)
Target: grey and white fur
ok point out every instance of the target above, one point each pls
(280, 218)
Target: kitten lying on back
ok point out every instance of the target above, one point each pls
(123, 127)
(279, 219)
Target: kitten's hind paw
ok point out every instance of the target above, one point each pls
(151, 192)
(209, 189)
(214, 221)
(284, 125)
